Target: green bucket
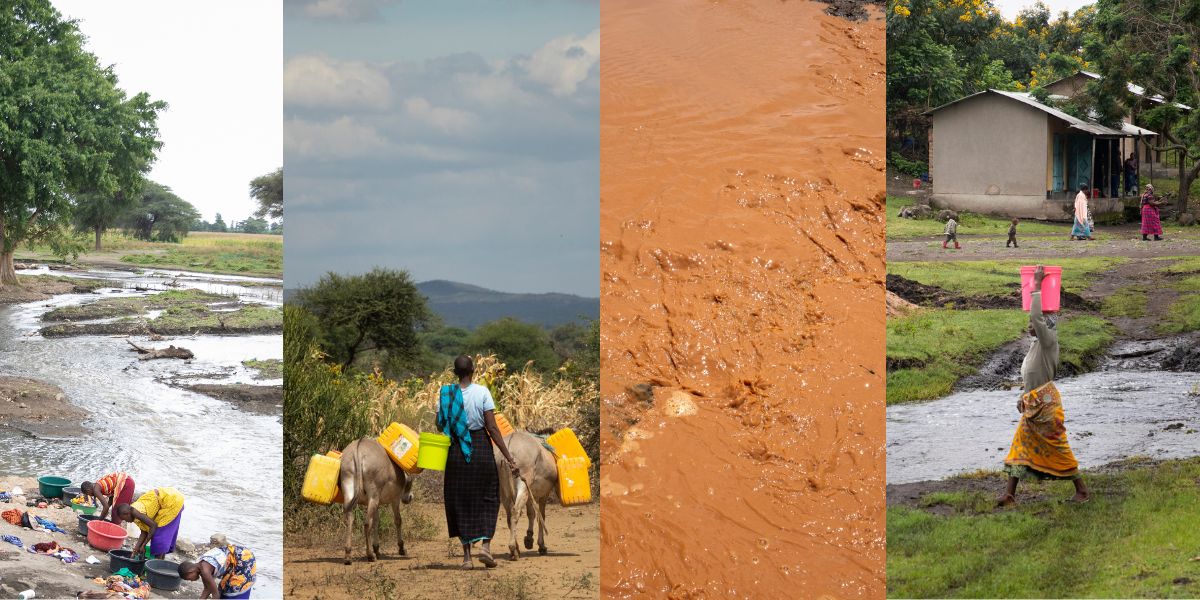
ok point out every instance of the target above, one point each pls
(52, 487)
(432, 451)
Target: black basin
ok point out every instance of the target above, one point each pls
(123, 559)
(163, 574)
(83, 521)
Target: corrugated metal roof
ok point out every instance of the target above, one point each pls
(1072, 122)
(1133, 88)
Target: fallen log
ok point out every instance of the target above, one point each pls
(168, 352)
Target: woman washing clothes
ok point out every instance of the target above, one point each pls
(466, 413)
(227, 572)
(109, 491)
(157, 513)
(1039, 447)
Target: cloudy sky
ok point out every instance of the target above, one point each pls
(217, 63)
(453, 139)
(1010, 8)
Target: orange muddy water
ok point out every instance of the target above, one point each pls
(742, 321)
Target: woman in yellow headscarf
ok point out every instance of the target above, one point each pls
(1039, 447)
(157, 513)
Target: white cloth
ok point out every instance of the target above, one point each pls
(476, 400)
(217, 557)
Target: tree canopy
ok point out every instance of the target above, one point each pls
(159, 215)
(268, 191)
(515, 343)
(65, 127)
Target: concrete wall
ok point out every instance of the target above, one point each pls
(990, 146)
(1024, 207)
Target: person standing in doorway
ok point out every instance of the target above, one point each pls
(1131, 172)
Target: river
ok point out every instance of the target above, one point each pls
(228, 463)
(1111, 415)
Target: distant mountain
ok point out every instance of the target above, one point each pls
(468, 306)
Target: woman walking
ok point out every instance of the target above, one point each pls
(1082, 229)
(1039, 446)
(1151, 224)
(466, 412)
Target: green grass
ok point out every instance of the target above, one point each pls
(999, 277)
(935, 348)
(1184, 314)
(229, 253)
(1082, 339)
(1128, 301)
(1181, 264)
(271, 368)
(1136, 538)
(968, 224)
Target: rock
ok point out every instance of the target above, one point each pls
(186, 547)
(917, 211)
(947, 214)
(1187, 219)
(218, 540)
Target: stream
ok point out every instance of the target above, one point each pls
(1110, 415)
(227, 462)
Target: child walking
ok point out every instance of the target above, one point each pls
(951, 233)
(1012, 234)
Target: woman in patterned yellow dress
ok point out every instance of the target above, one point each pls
(227, 572)
(1039, 447)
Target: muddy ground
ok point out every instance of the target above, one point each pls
(260, 399)
(48, 577)
(1117, 240)
(38, 408)
(570, 569)
(42, 287)
(934, 296)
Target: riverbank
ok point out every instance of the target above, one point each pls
(1136, 537)
(570, 568)
(38, 408)
(49, 577)
(257, 255)
(172, 312)
(35, 288)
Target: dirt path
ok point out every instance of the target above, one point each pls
(571, 568)
(46, 576)
(1121, 241)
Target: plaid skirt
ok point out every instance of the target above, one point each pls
(472, 490)
(1151, 224)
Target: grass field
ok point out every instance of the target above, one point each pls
(931, 350)
(968, 223)
(1137, 538)
(207, 252)
(998, 277)
(1129, 301)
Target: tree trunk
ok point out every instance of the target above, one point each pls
(1186, 177)
(99, 232)
(8, 272)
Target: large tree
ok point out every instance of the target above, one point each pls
(1156, 44)
(96, 213)
(380, 311)
(268, 191)
(159, 215)
(65, 128)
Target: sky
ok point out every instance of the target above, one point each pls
(1010, 8)
(217, 63)
(454, 139)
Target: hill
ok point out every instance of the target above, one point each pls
(468, 306)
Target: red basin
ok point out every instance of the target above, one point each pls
(106, 536)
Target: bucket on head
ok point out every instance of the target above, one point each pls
(401, 442)
(321, 479)
(573, 484)
(1051, 288)
(433, 451)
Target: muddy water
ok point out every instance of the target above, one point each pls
(1111, 415)
(742, 316)
(227, 462)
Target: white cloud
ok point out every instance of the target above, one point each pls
(563, 63)
(321, 82)
(338, 10)
(343, 138)
(446, 120)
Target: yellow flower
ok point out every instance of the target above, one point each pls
(965, 17)
(902, 10)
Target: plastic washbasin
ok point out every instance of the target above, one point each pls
(163, 574)
(51, 486)
(83, 523)
(106, 536)
(123, 559)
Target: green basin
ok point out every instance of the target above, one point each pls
(52, 487)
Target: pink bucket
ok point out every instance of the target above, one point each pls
(1051, 285)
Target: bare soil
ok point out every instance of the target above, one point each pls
(260, 399)
(42, 287)
(934, 296)
(49, 577)
(1119, 240)
(570, 569)
(38, 408)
